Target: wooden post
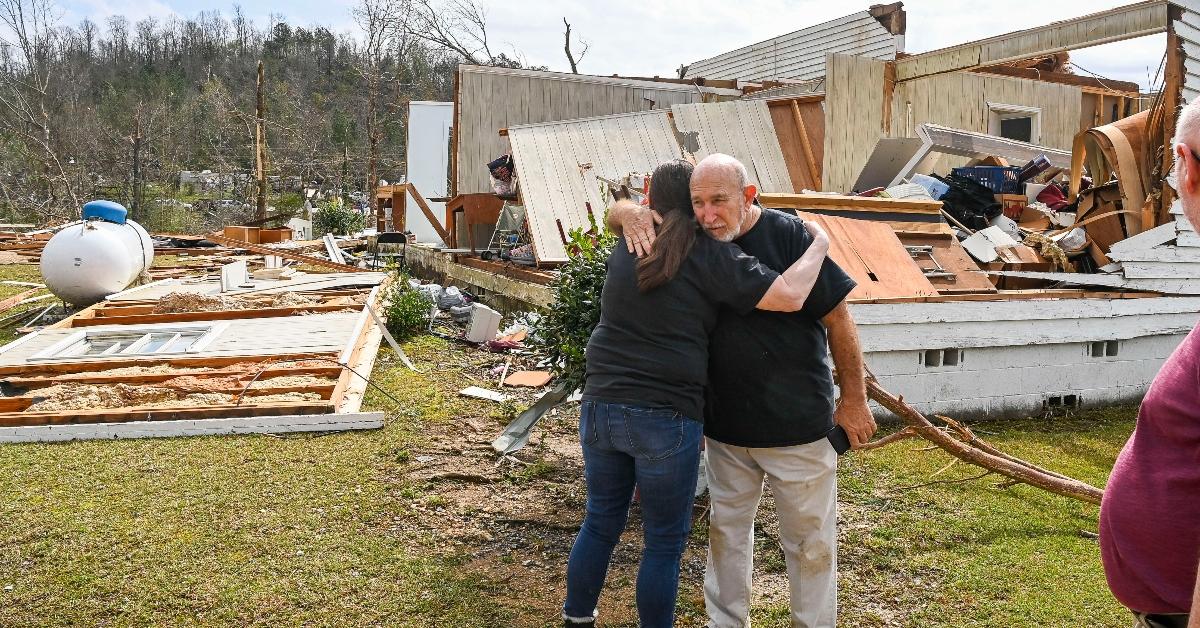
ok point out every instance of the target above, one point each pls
(399, 207)
(260, 146)
(421, 203)
(454, 126)
(1172, 95)
(814, 171)
(889, 89)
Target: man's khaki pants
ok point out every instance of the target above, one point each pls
(803, 480)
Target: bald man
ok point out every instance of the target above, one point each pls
(770, 405)
(1150, 515)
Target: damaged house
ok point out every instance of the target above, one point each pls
(953, 317)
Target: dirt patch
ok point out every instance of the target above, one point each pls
(96, 397)
(177, 302)
(157, 369)
(292, 381)
(283, 397)
(204, 384)
(66, 397)
(290, 299)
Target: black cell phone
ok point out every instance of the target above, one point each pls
(839, 439)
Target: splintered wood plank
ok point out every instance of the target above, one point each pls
(198, 427)
(101, 378)
(873, 256)
(146, 413)
(84, 366)
(182, 317)
(854, 203)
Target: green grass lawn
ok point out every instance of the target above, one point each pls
(304, 530)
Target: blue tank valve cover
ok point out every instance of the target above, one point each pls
(108, 211)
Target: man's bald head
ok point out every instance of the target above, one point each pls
(722, 165)
(721, 197)
(1187, 164)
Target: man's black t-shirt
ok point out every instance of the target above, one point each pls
(651, 349)
(770, 384)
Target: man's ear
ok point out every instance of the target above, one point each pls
(1186, 175)
(749, 193)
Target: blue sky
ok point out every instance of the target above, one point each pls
(641, 38)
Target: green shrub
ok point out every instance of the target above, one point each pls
(407, 310)
(562, 333)
(335, 217)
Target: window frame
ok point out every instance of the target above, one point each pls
(1001, 111)
(64, 349)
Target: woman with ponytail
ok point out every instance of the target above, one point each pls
(643, 397)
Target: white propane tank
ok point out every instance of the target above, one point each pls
(106, 253)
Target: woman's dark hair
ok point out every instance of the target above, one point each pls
(671, 197)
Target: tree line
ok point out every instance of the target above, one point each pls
(106, 110)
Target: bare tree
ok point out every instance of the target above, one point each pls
(28, 37)
(572, 59)
(383, 22)
(260, 145)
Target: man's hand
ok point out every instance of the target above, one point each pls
(637, 224)
(855, 417)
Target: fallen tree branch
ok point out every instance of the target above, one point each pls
(958, 481)
(971, 439)
(973, 453)
(903, 434)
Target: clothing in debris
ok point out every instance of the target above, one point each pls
(1150, 516)
(502, 170)
(651, 349)
(969, 202)
(771, 384)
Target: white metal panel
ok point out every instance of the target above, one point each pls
(327, 332)
(558, 163)
(801, 54)
(1014, 310)
(1126, 22)
(490, 99)
(743, 129)
(1188, 29)
(428, 162)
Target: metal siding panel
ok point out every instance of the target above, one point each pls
(801, 54)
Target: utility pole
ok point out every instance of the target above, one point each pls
(260, 146)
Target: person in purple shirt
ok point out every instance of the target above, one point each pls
(1150, 514)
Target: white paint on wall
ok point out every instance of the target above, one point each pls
(428, 159)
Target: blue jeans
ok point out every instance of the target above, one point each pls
(658, 450)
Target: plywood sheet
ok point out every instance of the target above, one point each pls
(804, 175)
(953, 258)
(871, 254)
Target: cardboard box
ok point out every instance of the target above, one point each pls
(1013, 204)
(245, 234)
(269, 236)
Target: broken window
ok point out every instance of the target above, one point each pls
(127, 342)
(1015, 122)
